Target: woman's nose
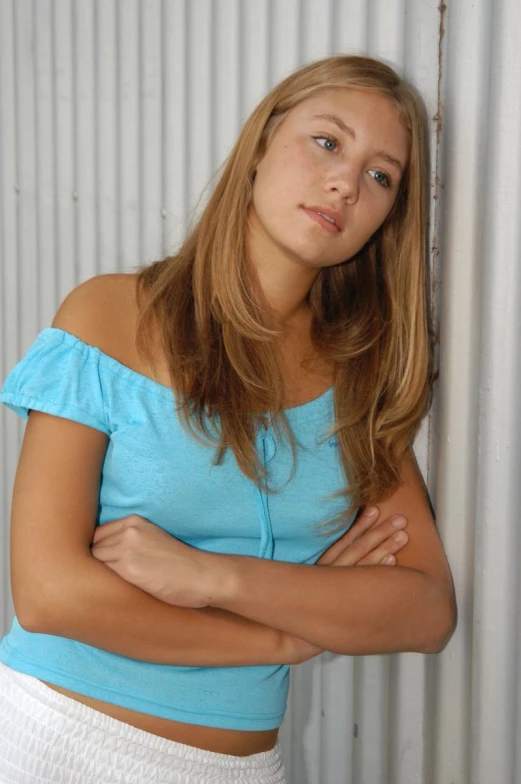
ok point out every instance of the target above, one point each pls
(345, 180)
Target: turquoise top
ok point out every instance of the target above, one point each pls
(154, 468)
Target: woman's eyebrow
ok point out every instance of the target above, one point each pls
(338, 121)
(350, 132)
(390, 159)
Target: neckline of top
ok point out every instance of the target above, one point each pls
(294, 412)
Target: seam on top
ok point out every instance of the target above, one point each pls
(35, 404)
(106, 414)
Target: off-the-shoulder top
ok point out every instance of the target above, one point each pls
(153, 467)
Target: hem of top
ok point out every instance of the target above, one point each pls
(185, 715)
(21, 404)
(304, 412)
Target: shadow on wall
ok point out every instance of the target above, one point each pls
(307, 726)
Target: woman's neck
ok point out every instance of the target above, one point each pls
(284, 281)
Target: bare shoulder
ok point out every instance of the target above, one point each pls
(102, 312)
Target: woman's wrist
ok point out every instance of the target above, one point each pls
(221, 578)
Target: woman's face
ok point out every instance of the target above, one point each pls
(329, 177)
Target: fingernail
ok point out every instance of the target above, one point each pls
(390, 560)
(399, 522)
(400, 538)
(372, 511)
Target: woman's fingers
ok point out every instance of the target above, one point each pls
(106, 555)
(385, 539)
(365, 520)
(108, 529)
(109, 549)
(386, 553)
(116, 526)
(374, 544)
(109, 536)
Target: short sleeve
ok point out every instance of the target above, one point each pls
(59, 375)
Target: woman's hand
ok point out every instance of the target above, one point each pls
(147, 556)
(369, 541)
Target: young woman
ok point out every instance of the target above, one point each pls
(202, 435)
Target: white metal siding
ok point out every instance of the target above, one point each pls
(114, 116)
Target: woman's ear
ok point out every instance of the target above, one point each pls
(258, 158)
(267, 135)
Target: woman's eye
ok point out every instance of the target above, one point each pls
(381, 178)
(327, 142)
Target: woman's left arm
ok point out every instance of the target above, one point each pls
(354, 610)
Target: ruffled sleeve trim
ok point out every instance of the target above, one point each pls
(58, 375)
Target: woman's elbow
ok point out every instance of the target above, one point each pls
(440, 622)
(45, 604)
(26, 618)
(34, 613)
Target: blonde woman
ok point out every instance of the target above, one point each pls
(203, 434)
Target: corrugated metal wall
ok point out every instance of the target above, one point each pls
(113, 117)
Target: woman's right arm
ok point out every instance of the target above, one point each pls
(59, 588)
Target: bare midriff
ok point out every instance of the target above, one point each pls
(240, 743)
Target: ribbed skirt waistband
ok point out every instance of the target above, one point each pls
(47, 737)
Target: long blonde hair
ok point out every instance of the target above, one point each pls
(370, 313)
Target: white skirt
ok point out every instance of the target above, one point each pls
(48, 737)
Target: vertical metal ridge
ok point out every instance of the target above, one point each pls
(7, 273)
(86, 184)
(64, 133)
(498, 495)
(26, 148)
(199, 102)
(151, 109)
(97, 145)
(315, 29)
(37, 178)
(241, 56)
(164, 99)
(117, 47)
(351, 33)
(285, 39)
(258, 61)
(56, 226)
(45, 170)
(269, 47)
(465, 97)
(141, 10)
(386, 27)
(177, 125)
(213, 12)
(336, 722)
(17, 186)
(75, 130)
(107, 132)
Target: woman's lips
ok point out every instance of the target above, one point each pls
(321, 220)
